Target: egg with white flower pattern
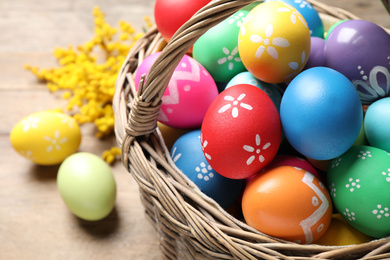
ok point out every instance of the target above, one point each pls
(359, 184)
(274, 42)
(241, 132)
(46, 137)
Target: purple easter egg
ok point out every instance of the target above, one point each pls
(317, 56)
(361, 51)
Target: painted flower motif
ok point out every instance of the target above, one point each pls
(352, 184)
(387, 174)
(66, 120)
(303, 4)
(381, 211)
(30, 122)
(204, 145)
(349, 214)
(294, 14)
(256, 150)
(175, 156)
(238, 18)
(230, 57)
(55, 143)
(269, 43)
(363, 155)
(235, 104)
(204, 171)
(244, 21)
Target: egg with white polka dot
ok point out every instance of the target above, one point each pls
(187, 155)
(46, 137)
(274, 42)
(359, 184)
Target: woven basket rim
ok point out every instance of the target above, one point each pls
(173, 203)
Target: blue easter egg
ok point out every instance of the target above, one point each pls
(321, 113)
(377, 124)
(188, 156)
(272, 90)
(308, 12)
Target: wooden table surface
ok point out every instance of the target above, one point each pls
(34, 221)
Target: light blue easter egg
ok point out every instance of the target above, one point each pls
(188, 156)
(377, 124)
(321, 113)
(272, 90)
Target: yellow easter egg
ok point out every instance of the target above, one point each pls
(170, 134)
(340, 233)
(46, 138)
(274, 42)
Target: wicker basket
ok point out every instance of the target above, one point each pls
(189, 224)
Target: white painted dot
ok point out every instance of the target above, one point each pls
(211, 175)
(258, 151)
(362, 72)
(187, 88)
(365, 77)
(204, 170)
(314, 201)
(200, 176)
(320, 228)
(206, 178)
(235, 102)
(184, 65)
(170, 110)
(379, 206)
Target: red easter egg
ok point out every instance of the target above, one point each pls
(241, 132)
(170, 15)
(288, 203)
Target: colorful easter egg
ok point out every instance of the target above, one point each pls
(334, 26)
(188, 156)
(361, 51)
(217, 49)
(189, 93)
(295, 161)
(359, 181)
(170, 134)
(170, 15)
(321, 113)
(310, 14)
(241, 132)
(274, 42)
(46, 137)
(317, 56)
(377, 124)
(288, 203)
(272, 90)
(340, 233)
(87, 186)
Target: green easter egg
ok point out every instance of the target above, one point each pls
(217, 49)
(334, 26)
(87, 186)
(359, 183)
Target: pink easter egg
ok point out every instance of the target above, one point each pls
(188, 95)
(290, 160)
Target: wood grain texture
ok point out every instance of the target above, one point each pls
(34, 222)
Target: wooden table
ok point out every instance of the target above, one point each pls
(34, 221)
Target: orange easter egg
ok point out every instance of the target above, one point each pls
(288, 203)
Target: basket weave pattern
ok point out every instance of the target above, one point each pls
(189, 224)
